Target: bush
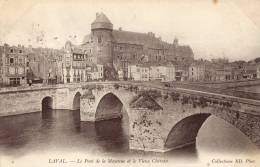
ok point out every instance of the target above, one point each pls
(116, 86)
(99, 87)
(203, 102)
(185, 100)
(175, 96)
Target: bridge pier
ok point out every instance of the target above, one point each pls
(146, 125)
(145, 130)
(87, 108)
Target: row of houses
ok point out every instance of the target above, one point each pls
(20, 65)
(149, 73)
(203, 70)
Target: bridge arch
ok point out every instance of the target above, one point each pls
(185, 131)
(47, 103)
(109, 106)
(76, 101)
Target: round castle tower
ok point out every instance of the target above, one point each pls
(101, 30)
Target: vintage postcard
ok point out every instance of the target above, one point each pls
(121, 83)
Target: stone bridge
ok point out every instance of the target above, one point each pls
(160, 118)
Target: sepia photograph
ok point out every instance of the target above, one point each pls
(122, 83)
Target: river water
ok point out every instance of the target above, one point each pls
(61, 131)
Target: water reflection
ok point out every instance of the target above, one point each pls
(113, 133)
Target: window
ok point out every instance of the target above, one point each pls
(99, 39)
(11, 50)
(20, 60)
(11, 60)
(20, 51)
(14, 81)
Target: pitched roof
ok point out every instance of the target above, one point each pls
(146, 39)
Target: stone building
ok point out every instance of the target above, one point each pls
(79, 65)
(250, 71)
(116, 49)
(94, 72)
(74, 64)
(146, 72)
(138, 72)
(163, 73)
(197, 71)
(45, 64)
(13, 65)
(258, 70)
(1, 65)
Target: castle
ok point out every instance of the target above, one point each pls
(117, 49)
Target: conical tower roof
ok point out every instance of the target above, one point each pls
(101, 22)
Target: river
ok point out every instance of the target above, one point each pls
(62, 131)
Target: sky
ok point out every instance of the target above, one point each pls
(213, 28)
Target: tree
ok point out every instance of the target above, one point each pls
(257, 60)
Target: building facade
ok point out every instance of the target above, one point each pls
(74, 64)
(45, 65)
(151, 73)
(79, 65)
(258, 70)
(13, 65)
(116, 49)
(197, 71)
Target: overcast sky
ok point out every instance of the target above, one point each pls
(213, 28)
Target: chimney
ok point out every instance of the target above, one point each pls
(175, 41)
(120, 29)
(151, 34)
